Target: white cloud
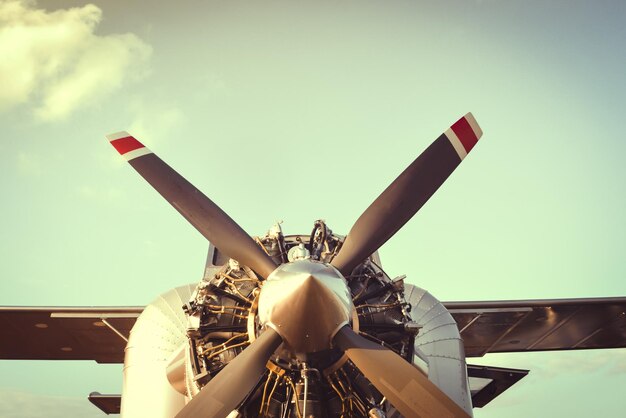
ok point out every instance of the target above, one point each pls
(15, 404)
(55, 60)
(547, 365)
(584, 362)
(154, 122)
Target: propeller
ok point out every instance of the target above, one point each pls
(407, 194)
(405, 386)
(199, 210)
(234, 382)
(311, 298)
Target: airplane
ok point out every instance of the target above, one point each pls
(307, 325)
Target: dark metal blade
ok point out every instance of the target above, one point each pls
(407, 388)
(407, 194)
(232, 384)
(199, 210)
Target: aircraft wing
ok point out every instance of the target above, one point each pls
(78, 333)
(97, 333)
(540, 325)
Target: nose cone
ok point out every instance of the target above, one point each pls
(306, 302)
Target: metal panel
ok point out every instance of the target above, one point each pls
(499, 379)
(499, 322)
(540, 325)
(84, 333)
(109, 404)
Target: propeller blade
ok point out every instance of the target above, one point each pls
(232, 384)
(406, 195)
(406, 387)
(199, 210)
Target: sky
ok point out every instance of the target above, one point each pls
(296, 111)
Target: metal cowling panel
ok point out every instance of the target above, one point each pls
(440, 343)
(157, 334)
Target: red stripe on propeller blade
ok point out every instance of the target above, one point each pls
(465, 133)
(126, 144)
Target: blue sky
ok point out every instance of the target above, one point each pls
(247, 100)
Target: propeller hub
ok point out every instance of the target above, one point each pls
(306, 302)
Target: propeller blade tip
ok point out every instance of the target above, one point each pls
(474, 125)
(117, 135)
(464, 134)
(127, 145)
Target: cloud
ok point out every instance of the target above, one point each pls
(56, 61)
(549, 365)
(15, 404)
(154, 122)
(584, 362)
